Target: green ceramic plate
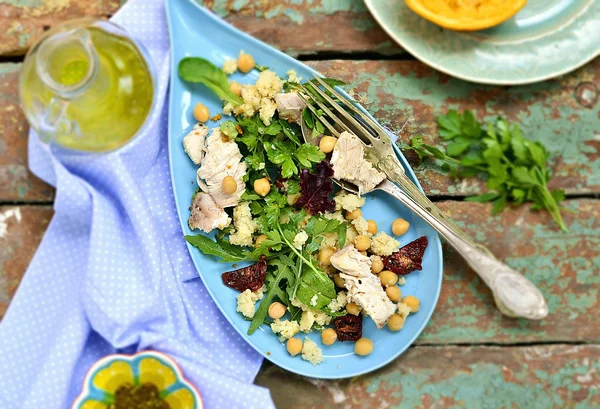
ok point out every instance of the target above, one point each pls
(545, 39)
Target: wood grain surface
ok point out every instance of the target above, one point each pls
(406, 96)
(475, 377)
(564, 266)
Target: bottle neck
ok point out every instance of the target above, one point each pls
(67, 63)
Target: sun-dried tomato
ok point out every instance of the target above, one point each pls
(408, 258)
(251, 277)
(348, 327)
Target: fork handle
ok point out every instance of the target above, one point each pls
(515, 295)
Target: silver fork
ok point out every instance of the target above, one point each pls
(515, 295)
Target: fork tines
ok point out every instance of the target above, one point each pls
(349, 105)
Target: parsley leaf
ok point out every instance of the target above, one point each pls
(308, 154)
(228, 128)
(514, 167)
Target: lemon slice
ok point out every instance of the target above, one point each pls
(466, 15)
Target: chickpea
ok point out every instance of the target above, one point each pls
(393, 293)
(294, 346)
(262, 186)
(400, 226)
(373, 229)
(201, 113)
(376, 265)
(236, 88)
(388, 278)
(245, 62)
(396, 322)
(364, 253)
(363, 346)
(325, 256)
(327, 143)
(413, 302)
(228, 185)
(353, 308)
(339, 281)
(354, 214)
(328, 336)
(362, 242)
(259, 240)
(276, 310)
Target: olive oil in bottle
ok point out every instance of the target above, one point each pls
(87, 86)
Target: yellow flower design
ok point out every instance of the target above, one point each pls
(113, 376)
(181, 399)
(112, 372)
(93, 404)
(153, 371)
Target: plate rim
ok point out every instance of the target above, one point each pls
(472, 78)
(405, 164)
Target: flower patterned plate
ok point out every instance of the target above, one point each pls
(547, 38)
(112, 371)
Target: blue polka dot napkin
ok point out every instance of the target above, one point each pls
(110, 273)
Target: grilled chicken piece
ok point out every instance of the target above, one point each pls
(222, 158)
(193, 143)
(364, 287)
(289, 107)
(349, 163)
(207, 215)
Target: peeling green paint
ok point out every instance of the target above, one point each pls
(363, 24)
(23, 3)
(24, 39)
(328, 7)
(22, 191)
(8, 68)
(274, 12)
(294, 15)
(555, 261)
(482, 385)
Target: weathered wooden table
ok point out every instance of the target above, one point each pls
(469, 356)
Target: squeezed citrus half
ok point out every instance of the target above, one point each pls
(466, 15)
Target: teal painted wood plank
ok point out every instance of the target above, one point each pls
(564, 266)
(564, 114)
(539, 377)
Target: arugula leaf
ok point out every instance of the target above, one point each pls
(200, 70)
(316, 283)
(273, 281)
(226, 251)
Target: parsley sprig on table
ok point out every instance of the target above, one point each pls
(514, 167)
